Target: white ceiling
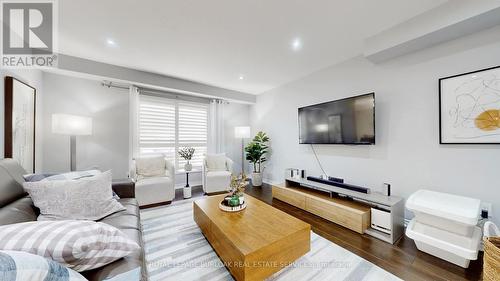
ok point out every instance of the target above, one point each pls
(216, 41)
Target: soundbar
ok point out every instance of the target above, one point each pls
(340, 184)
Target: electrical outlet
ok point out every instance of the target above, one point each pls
(487, 206)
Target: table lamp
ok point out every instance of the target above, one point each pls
(242, 133)
(71, 125)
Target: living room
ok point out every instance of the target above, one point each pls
(250, 140)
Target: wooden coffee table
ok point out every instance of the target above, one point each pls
(253, 243)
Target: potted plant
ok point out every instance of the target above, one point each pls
(238, 184)
(256, 151)
(187, 153)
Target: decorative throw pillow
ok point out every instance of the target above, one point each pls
(150, 166)
(65, 176)
(20, 266)
(80, 245)
(83, 199)
(216, 162)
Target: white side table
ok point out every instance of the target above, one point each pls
(187, 187)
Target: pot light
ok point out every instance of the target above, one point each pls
(296, 44)
(111, 42)
(241, 77)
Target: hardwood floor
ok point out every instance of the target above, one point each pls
(402, 259)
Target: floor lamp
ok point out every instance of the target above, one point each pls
(71, 125)
(242, 133)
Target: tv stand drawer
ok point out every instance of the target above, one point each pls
(347, 213)
(291, 197)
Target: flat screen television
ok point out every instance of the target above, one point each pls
(345, 121)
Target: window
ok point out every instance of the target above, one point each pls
(166, 125)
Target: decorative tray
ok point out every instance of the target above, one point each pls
(226, 208)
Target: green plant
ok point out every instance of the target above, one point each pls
(238, 184)
(186, 153)
(256, 151)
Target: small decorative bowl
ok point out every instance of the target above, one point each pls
(224, 206)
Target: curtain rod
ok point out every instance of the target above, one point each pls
(160, 93)
(110, 84)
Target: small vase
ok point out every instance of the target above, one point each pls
(242, 199)
(188, 167)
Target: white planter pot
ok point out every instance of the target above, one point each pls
(242, 199)
(188, 166)
(256, 179)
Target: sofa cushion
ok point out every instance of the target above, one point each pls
(80, 245)
(216, 162)
(15, 265)
(84, 199)
(126, 219)
(21, 210)
(150, 167)
(11, 180)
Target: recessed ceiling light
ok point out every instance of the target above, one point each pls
(296, 44)
(241, 77)
(111, 42)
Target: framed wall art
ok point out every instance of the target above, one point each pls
(469, 107)
(20, 100)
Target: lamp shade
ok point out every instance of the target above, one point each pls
(74, 125)
(242, 132)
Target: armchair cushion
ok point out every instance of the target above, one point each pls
(217, 181)
(154, 190)
(150, 166)
(216, 162)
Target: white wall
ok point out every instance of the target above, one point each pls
(407, 153)
(107, 147)
(235, 115)
(33, 78)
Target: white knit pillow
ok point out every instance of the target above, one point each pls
(79, 245)
(83, 199)
(150, 167)
(216, 162)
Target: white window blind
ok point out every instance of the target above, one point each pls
(166, 125)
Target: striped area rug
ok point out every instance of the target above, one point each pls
(177, 250)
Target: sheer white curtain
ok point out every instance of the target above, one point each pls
(133, 125)
(216, 128)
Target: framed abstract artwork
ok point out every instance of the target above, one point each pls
(469, 108)
(20, 100)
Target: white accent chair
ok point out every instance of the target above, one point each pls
(154, 180)
(216, 173)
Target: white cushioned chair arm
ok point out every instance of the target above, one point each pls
(170, 168)
(229, 164)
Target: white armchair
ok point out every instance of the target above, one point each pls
(216, 173)
(154, 180)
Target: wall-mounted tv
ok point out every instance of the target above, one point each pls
(345, 121)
